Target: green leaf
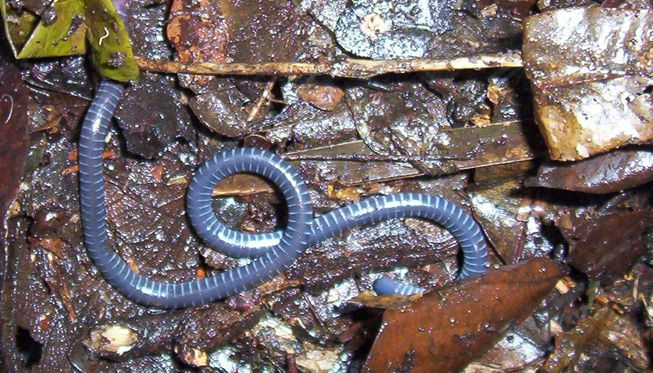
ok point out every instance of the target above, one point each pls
(64, 37)
(18, 26)
(77, 23)
(108, 39)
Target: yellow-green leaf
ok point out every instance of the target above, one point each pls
(64, 36)
(108, 39)
(18, 26)
(77, 23)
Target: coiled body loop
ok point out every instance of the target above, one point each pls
(272, 252)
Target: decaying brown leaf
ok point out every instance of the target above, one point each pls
(615, 332)
(591, 73)
(605, 173)
(322, 95)
(124, 339)
(604, 245)
(14, 141)
(457, 148)
(242, 185)
(449, 328)
(198, 31)
(351, 134)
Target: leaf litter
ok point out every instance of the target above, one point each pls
(571, 277)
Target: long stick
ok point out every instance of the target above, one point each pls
(350, 68)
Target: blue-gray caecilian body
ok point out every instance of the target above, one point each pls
(272, 253)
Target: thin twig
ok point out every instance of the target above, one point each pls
(366, 158)
(349, 68)
(263, 100)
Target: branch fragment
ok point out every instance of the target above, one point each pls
(349, 68)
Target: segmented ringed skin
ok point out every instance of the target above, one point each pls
(272, 253)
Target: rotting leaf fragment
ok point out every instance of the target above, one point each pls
(448, 328)
(14, 141)
(604, 244)
(591, 73)
(606, 327)
(605, 173)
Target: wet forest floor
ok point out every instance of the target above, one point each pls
(567, 213)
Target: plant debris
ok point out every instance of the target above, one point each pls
(363, 98)
(15, 102)
(604, 244)
(590, 69)
(606, 173)
(467, 318)
(427, 29)
(66, 27)
(609, 330)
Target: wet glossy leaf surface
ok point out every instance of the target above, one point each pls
(605, 244)
(107, 36)
(17, 26)
(575, 91)
(612, 331)
(65, 28)
(606, 173)
(15, 103)
(448, 328)
(198, 31)
(61, 32)
(467, 136)
(151, 116)
(407, 29)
